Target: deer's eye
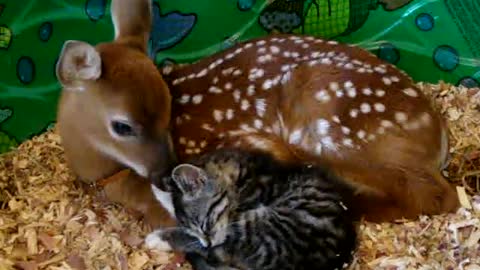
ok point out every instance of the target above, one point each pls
(123, 129)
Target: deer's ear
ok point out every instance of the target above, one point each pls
(189, 178)
(132, 20)
(78, 62)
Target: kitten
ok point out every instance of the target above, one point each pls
(244, 210)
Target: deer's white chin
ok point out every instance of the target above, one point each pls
(165, 199)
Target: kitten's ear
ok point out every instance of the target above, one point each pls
(189, 178)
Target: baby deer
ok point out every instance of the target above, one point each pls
(297, 97)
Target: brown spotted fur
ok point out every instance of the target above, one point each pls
(397, 173)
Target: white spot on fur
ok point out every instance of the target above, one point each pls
(258, 142)
(286, 77)
(295, 136)
(191, 143)
(326, 61)
(322, 126)
(349, 66)
(386, 81)
(247, 128)
(245, 105)
(184, 99)
(215, 90)
(251, 90)
(315, 54)
(351, 92)
(353, 113)
(345, 130)
(236, 95)
(425, 118)
(380, 70)
(215, 80)
(386, 124)
(237, 72)
(336, 119)
(367, 91)
(328, 143)
(258, 124)
(255, 73)
(361, 134)
(261, 42)
(365, 108)
(347, 142)
(218, 115)
(334, 86)
(166, 70)
(410, 92)
(400, 117)
(348, 84)
(267, 84)
(227, 71)
(322, 96)
(379, 107)
(285, 68)
(203, 144)
(207, 127)
(197, 99)
(379, 93)
(260, 106)
(274, 49)
(339, 93)
(228, 86)
(394, 79)
(229, 114)
(202, 73)
(265, 58)
(312, 62)
(182, 140)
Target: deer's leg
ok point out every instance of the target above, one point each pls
(389, 193)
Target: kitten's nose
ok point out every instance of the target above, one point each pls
(205, 242)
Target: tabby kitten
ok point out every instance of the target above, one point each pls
(244, 210)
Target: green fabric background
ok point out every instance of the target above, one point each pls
(431, 39)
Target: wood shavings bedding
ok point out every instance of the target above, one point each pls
(50, 221)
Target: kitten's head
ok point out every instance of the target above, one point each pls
(202, 204)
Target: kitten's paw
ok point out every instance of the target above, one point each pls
(154, 241)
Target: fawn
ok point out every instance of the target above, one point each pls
(297, 97)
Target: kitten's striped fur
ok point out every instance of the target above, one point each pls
(244, 210)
